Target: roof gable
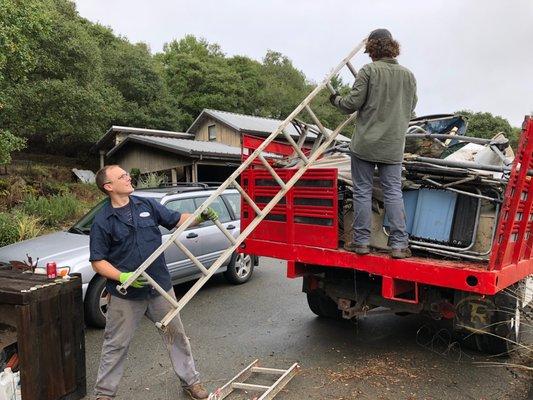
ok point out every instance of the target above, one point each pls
(249, 124)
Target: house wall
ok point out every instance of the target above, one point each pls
(225, 134)
(147, 159)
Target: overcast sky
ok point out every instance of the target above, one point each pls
(465, 54)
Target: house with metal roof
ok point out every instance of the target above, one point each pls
(210, 150)
(227, 127)
(175, 154)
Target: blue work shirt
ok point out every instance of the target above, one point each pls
(127, 244)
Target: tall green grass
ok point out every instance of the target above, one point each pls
(8, 229)
(17, 226)
(54, 209)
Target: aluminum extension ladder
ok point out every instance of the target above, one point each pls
(269, 392)
(322, 142)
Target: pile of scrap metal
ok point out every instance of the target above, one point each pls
(453, 188)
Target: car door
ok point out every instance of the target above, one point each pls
(212, 241)
(179, 265)
(234, 201)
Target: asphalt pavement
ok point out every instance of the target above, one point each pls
(381, 357)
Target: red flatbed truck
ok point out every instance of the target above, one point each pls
(484, 298)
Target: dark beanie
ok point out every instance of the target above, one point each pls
(380, 34)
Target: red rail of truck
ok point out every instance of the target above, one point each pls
(303, 229)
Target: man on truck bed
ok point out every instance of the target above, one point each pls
(384, 95)
(124, 233)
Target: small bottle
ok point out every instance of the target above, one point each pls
(51, 270)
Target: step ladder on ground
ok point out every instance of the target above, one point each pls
(265, 392)
(323, 141)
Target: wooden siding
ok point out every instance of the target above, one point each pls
(225, 134)
(147, 159)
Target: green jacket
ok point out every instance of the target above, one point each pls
(384, 95)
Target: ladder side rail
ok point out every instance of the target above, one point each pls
(121, 288)
(253, 224)
(280, 383)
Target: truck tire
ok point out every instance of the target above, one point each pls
(322, 305)
(507, 321)
(96, 300)
(240, 269)
(507, 325)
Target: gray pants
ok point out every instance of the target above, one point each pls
(123, 318)
(390, 176)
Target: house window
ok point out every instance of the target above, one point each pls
(212, 132)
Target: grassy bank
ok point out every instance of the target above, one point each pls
(38, 197)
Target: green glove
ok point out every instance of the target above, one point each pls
(137, 283)
(208, 214)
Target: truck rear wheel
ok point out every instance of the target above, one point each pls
(505, 325)
(322, 305)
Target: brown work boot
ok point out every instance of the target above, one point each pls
(196, 391)
(401, 253)
(360, 249)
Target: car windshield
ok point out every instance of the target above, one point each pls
(83, 226)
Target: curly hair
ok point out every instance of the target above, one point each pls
(382, 48)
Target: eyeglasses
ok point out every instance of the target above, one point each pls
(123, 176)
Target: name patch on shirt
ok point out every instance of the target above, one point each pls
(144, 214)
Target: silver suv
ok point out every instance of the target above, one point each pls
(205, 241)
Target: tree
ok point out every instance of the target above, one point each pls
(21, 28)
(198, 76)
(284, 86)
(486, 125)
(8, 144)
(60, 116)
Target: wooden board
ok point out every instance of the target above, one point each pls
(50, 334)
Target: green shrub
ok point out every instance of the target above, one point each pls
(8, 229)
(151, 180)
(53, 210)
(54, 188)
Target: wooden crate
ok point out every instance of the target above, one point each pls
(45, 318)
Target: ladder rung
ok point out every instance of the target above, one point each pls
(296, 148)
(303, 136)
(352, 69)
(272, 371)
(249, 386)
(225, 231)
(272, 172)
(191, 256)
(247, 198)
(161, 291)
(317, 122)
(331, 88)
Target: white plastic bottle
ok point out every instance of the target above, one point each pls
(7, 385)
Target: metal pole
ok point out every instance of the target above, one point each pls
(464, 164)
(468, 139)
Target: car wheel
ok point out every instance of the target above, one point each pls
(96, 301)
(240, 268)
